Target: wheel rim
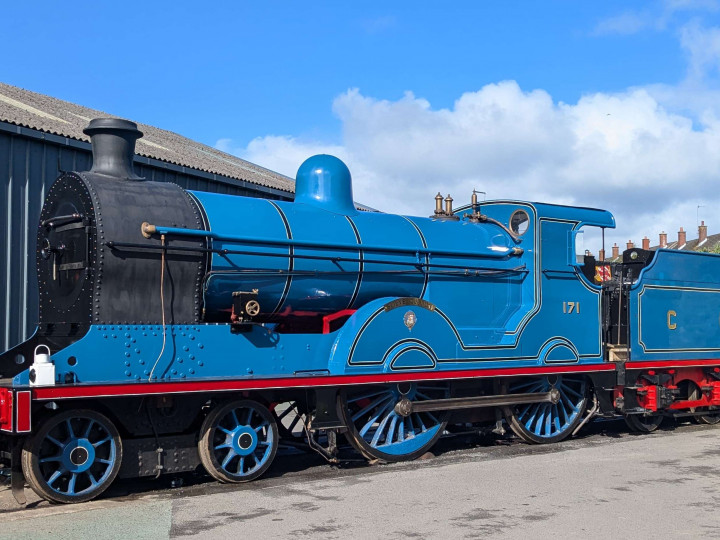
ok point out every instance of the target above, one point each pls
(550, 421)
(381, 432)
(243, 441)
(77, 456)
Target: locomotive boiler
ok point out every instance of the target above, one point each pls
(181, 329)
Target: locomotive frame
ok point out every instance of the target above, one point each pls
(178, 335)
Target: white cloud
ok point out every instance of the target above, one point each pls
(626, 23)
(650, 155)
(657, 16)
(624, 152)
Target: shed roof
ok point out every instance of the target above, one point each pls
(44, 113)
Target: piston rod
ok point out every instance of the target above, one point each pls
(405, 407)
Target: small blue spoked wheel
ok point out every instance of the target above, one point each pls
(73, 457)
(377, 431)
(548, 422)
(238, 441)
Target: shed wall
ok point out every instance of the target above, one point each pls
(29, 164)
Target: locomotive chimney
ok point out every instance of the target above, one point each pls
(663, 239)
(616, 251)
(702, 232)
(682, 238)
(601, 255)
(630, 244)
(646, 243)
(113, 147)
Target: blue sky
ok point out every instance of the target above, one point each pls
(608, 103)
(251, 68)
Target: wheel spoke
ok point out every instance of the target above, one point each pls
(366, 396)
(374, 419)
(380, 430)
(71, 433)
(91, 423)
(420, 422)
(530, 386)
(55, 476)
(370, 407)
(533, 413)
(391, 429)
(93, 482)
(106, 439)
(433, 418)
(71, 484)
(573, 392)
(51, 458)
(548, 419)
(55, 441)
(231, 454)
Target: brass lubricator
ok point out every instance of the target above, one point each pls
(245, 306)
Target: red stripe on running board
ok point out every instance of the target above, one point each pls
(110, 390)
(670, 364)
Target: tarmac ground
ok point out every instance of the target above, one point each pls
(605, 483)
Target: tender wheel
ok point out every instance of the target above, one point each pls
(238, 441)
(548, 422)
(642, 423)
(378, 432)
(73, 457)
(710, 419)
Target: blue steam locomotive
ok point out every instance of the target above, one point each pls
(181, 329)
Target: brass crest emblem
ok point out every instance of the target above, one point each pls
(410, 319)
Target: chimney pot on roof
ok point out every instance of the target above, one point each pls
(601, 255)
(682, 238)
(616, 251)
(663, 239)
(646, 243)
(702, 232)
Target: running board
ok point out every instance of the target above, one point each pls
(405, 407)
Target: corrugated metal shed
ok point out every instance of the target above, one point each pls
(38, 138)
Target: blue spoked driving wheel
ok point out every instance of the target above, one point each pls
(548, 422)
(238, 441)
(73, 457)
(379, 432)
